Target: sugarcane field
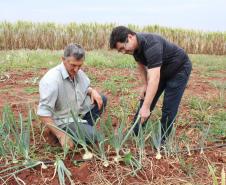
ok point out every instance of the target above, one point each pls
(108, 104)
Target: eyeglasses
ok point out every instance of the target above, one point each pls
(126, 42)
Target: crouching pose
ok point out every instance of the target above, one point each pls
(65, 91)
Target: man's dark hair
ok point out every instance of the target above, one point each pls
(119, 34)
(74, 50)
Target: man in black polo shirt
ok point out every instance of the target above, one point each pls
(163, 66)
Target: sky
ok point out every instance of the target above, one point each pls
(204, 15)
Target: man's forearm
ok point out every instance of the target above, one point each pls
(152, 86)
(89, 91)
(48, 121)
(151, 91)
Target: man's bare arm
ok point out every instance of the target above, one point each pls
(152, 87)
(62, 137)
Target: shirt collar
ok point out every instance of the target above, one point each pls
(63, 71)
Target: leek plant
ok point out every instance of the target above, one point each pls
(22, 167)
(144, 133)
(80, 137)
(89, 142)
(15, 135)
(130, 160)
(97, 143)
(156, 138)
(140, 143)
(62, 171)
(135, 161)
(118, 138)
(214, 177)
(204, 135)
(99, 148)
(171, 144)
(185, 140)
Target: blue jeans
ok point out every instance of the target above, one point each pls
(95, 113)
(173, 91)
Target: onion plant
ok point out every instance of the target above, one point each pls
(156, 138)
(81, 137)
(204, 135)
(21, 167)
(62, 171)
(119, 137)
(171, 145)
(15, 135)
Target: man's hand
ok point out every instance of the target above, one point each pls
(65, 140)
(144, 113)
(142, 92)
(95, 97)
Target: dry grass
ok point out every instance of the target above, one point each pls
(95, 36)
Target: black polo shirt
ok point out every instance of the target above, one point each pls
(155, 51)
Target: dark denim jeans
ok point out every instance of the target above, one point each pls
(95, 113)
(173, 91)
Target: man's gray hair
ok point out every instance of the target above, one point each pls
(74, 50)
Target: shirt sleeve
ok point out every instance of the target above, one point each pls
(153, 56)
(48, 96)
